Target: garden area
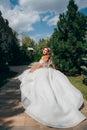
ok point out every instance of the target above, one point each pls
(68, 43)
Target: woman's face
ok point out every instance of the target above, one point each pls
(45, 51)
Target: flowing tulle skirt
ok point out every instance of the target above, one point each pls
(49, 97)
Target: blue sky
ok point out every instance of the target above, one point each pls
(36, 18)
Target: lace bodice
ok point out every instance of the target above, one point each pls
(46, 63)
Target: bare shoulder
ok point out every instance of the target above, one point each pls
(44, 58)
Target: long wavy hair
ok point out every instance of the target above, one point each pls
(49, 54)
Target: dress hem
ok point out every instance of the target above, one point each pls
(51, 125)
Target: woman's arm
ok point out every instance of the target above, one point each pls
(39, 65)
(35, 67)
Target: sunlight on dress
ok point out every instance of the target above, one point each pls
(49, 97)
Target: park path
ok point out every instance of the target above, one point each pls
(12, 115)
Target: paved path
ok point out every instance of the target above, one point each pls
(12, 116)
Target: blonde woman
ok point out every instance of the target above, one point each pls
(48, 96)
(45, 61)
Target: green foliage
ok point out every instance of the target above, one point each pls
(26, 54)
(9, 45)
(68, 41)
(84, 69)
(10, 50)
(13, 50)
(3, 45)
(28, 42)
(39, 47)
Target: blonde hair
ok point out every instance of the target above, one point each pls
(49, 50)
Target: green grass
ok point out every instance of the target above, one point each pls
(78, 83)
(6, 76)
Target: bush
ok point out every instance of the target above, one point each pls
(4, 68)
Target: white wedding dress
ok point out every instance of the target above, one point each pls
(49, 97)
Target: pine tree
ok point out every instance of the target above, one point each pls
(68, 47)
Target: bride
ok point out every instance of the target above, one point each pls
(48, 96)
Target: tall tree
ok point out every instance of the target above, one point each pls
(69, 47)
(8, 43)
(3, 40)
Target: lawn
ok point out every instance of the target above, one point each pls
(78, 83)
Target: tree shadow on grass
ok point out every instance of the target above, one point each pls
(10, 104)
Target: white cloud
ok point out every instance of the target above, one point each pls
(22, 20)
(81, 3)
(53, 5)
(22, 17)
(45, 18)
(53, 21)
(45, 5)
(37, 37)
(5, 3)
(24, 2)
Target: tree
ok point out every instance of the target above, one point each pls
(84, 66)
(68, 39)
(39, 47)
(28, 42)
(9, 45)
(14, 57)
(3, 41)
(27, 49)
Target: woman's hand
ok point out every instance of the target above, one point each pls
(32, 69)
